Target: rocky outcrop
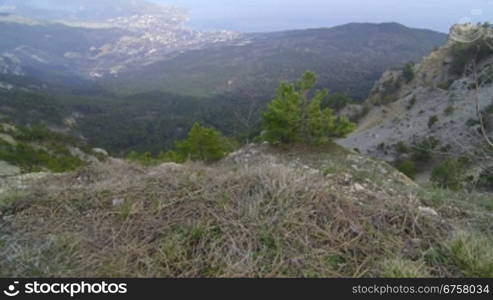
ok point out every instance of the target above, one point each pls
(436, 103)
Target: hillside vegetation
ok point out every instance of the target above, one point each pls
(262, 212)
(39, 149)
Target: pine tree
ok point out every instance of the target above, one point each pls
(282, 120)
(204, 144)
(293, 117)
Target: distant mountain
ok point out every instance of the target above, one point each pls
(138, 46)
(348, 58)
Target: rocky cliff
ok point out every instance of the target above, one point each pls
(435, 100)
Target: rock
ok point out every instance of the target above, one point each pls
(170, 167)
(164, 168)
(118, 202)
(8, 170)
(8, 139)
(9, 128)
(6, 86)
(358, 187)
(100, 151)
(428, 211)
(347, 179)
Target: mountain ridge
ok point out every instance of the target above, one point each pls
(292, 52)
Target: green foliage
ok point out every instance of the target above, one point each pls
(408, 168)
(472, 254)
(472, 122)
(466, 53)
(408, 72)
(202, 144)
(293, 117)
(145, 158)
(402, 268)
(337, 101)
(412, 102)
(50, 153)
(423, 151)
(449, 110)
(283, 117)
(445, 85)
(402, 148)
(450, 175)
(485, 179)
(432, 121)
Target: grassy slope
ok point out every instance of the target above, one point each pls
(290, 213)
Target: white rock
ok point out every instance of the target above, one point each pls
(358, 187)
(118, 201)
(100, 151)
(428, 211)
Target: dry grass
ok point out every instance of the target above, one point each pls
(271, 219)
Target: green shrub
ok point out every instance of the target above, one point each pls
(412, 103)
(432, 121)
(485, 179)
(408, 72)
(449, 110)
(202, 144)
(445, 85)
(293, 117)
(402, 268)
(450, 175)
(337, 102)
(387, 99)
(31, 159)
(466, 53)
(472, 254)
(423, 151)
(402, 148)
(408, 168)
(472, 122)
(145, 159)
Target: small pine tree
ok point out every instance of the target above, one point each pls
(337, 101)
(293, 117)
(319, 121)
(283, 117)
(450, 175)
(408, 72)
(204, 144)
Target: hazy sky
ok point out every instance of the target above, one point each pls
(267, 15)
